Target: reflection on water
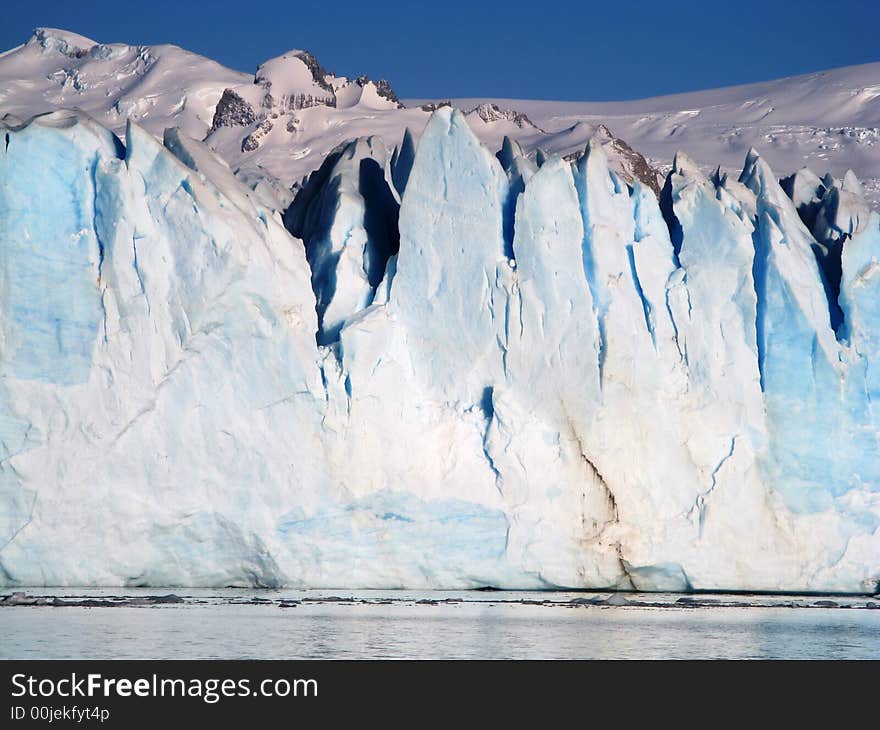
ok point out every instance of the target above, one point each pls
(478, 627)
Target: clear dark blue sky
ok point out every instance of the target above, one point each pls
(552, 49)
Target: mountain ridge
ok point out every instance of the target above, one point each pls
(187, 94)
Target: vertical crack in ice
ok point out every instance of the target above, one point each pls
(324, 383)
(598, 293)
(502, 333)
(503, 348)
(101, 249)
(506, 344)
(667, 210)
(103, 312)
(681, 353)
(347, 386)
(829, 263)
(646, 305)
(137, 271)
(487, 406)
(700, 501)
(22, 527)
(624, 566)
(609, 495)
(445, 164)
(597, 296)
(519, 299)
(759, 278)
(600, 300)
(101, 252)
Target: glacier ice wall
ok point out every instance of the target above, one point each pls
(472, 370)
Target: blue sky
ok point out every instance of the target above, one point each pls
(552, 49)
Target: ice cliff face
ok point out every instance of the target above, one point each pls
(472, 370)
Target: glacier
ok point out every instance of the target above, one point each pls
(438, 368)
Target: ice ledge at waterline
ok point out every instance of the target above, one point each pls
(471, 372)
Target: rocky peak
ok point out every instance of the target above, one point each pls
(493, 113)
(319, 73)
(232, 111)
(433, 106)
(383, 89)
(631, 165)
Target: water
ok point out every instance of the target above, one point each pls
(369, 624)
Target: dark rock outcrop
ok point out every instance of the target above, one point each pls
(232, 111)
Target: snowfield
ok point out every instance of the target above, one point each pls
(828, 121)
(253, 332)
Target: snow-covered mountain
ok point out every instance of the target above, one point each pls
(828, 120)
(273, 128)
(159, 86)
(461, 356)
(279, 134)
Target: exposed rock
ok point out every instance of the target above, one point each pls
(493, 113)
(319, 73)
(252, 141)
(630, 164)
(383, 88)
(434, 105)
(232, 111)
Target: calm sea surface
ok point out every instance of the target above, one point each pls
(369, 624)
